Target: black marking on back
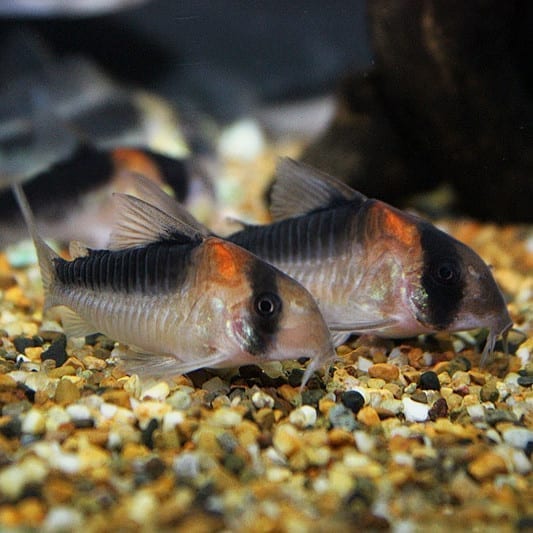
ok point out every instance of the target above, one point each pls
(262, 278)
(154, 269)
(444, 300)
(174, 172)
(64, 183)
(315, 236)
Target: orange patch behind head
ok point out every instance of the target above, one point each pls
(226, 260)
(137, 161)
(393, 223)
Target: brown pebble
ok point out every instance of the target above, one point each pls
(340, 437)
(419, 396)
(65, 370)
(415, 356)
(368, 416)
(478, 377)
(438, 410)
(34, 353)
(486, 466)
(324, 405)
(94, 363)
(412, 376)
(264, 418)
(58, 490)
(489, 392)
(384, 371)
(7, 382)
(117, 397)
(289, 394)
(66, 392)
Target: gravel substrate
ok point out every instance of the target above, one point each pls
(401, 436)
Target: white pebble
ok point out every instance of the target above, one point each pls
(403, 459)
(159, 391)
(261, 399)
(78, 411)
(365, 443)
(181, 399)
(415, 411)
(518, 437)
(142, 505)
(226, 417)
(63, 519)
(171, 420)
(187, 465)
(363, 364)
(303, 417)
(278, 474)
(520, 461)
(108, 410)
(34, 422)
(476, 412)
(242, 140)
(523, 354)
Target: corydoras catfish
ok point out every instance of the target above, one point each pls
(72, 199)
(180, 299)
(372, 268)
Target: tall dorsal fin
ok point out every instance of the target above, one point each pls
(160, 218)
(300, 189)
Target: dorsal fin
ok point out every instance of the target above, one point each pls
(160, 218)
(300, 189)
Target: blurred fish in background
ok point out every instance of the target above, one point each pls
(63, 8)
(73, 133)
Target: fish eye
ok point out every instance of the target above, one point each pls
(447, 273)
(267, 304)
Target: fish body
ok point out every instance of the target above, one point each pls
(72, 198)
(372, 268)
(180, 299)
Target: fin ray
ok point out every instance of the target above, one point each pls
(157, 217)
(300, 189)
(74, 325)
(45, 254)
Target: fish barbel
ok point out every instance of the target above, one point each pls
(181, 299)
(372, 268)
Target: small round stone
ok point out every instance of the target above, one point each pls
(429, 381)
(353, 400)
(341, 417)
(525, 381)
(303, 417)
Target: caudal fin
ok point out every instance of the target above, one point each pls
(45, 254)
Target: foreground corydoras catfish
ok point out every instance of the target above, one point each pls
(372, 268)
(180, 299)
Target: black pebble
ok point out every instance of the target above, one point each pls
(525, 381)
(429, 381)
(312, 396)
(529, 448)
(21, 343)
(56, 351)
(353, 400)
(525, 524)
(295, 377)
(148, 433)
(154, 467)
(11, 429)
